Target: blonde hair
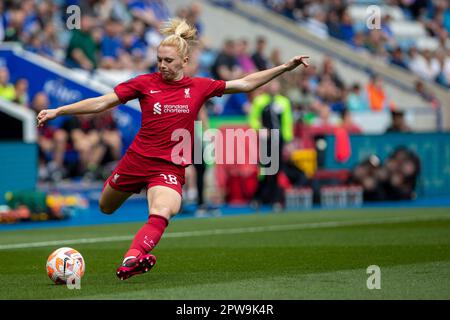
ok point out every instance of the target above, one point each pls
(179, 34)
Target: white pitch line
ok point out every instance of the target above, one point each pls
(299, 226)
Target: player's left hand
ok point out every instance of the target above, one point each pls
(296, 61)
(46, 115)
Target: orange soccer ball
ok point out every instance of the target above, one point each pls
(65, 265)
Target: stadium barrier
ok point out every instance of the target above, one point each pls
(17, 122)
(433, 149)
(18, 167)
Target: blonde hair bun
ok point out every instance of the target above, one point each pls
(180, 28)
(180, 35)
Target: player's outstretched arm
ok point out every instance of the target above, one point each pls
(257, 79)
(91, 105)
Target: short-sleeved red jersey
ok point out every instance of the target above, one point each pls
(166, 106)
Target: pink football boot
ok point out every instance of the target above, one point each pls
(134, 266)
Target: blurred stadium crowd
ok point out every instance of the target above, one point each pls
(428, 59)
(123, 35)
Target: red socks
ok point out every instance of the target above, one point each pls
(148, 236)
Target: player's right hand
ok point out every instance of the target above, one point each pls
(46, 115)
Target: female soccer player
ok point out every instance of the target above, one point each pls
(169, 101)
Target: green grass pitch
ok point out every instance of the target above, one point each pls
(304, 255)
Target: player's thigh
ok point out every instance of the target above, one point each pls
(163, 201)
(112, 199)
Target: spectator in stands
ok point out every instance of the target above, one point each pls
(110, 137)
(259, 57)
(409, 171)
(37, 17)
(194, 12)
(102, 9)
(206, 57)
(128, 56)
(88, 7)
(371, 177)
(398, 58)
(46, 43)
(434, 20)
(357, 99)
(417, 8)
(82, 49)
(401, 170)
(395, 180)
(110, 44)
(317, 25)
(321, 119)
(328, 71)
(426, 66)
(226, 67)
(442, 38)
(182, 12)
(443, 77)
(275, 57)
(331, 88)
(329, 93)
(7, 91)
(312, 76)
(333, 24)
(244, 59)
(346, 32)
(358, 42)
(375, 41)
(426, 94)
(276, 6)
(151, 12)
(376, 95)
(143, 36)
(120, 11)
(291, 11)
(15, 19)
(45, 13)
(193, 67)
(21, 91)
(398, 122)
(300, 94)
(52, 143)
(236, 104)
(413, 57)
(271, 110)
(348, 124)
(30, 23)
(386, 29)
(446, 16)
(35, 45)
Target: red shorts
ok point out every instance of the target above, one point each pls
(135, 172)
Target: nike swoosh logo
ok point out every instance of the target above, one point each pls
(65, 264)
(155, 91)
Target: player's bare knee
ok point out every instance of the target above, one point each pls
(105, 208)
(162, 211)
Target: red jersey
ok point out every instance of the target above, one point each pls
(166, 106)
